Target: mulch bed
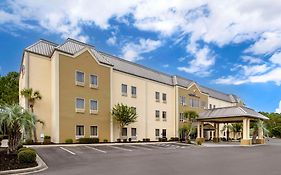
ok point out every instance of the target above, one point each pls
(10, 162)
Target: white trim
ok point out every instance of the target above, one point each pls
(93, 136)
(111, 105)
(79, 136)
(79, 110)
(78, 83)
(90, 81)
(91, 110)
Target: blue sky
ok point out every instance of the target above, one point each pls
(227, 45)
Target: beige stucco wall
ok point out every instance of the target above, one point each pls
(219, 103)
(68, 92)
(145, 105)
(38, 77)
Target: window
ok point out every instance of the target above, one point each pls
(93, 106)
(210, 106)
(157, 133)
(164, 97)
(79, 130)
(203, 104)
(93, 81)
(164, 115)
(134, 91)
(164, 131)
(124, 89)
(157, 115)
(182, 117)
(134, 109)
(80, 78)
(194, 102)
(157, 96)
(214, 106)
(134, 132)
(93, 131)
(182, 100)
(80, 105)
(124, 132)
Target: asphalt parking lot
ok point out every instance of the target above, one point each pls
(161, 159)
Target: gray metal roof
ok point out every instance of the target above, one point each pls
(230, 112)
(71, 46)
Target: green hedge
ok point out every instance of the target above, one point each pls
(27, 156)
(68, 141)
(88, 140)
(24, 149)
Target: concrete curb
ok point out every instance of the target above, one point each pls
(40, 167)
(93, 144)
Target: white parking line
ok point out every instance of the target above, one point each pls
(124, 149)
(139, 147)
(95, 149)
(67, 150)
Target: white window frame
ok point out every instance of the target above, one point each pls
(157, 118)
(79, 136)
(78, 83)
(124, 93)
(134, 137)
(94, 136)
(183, 102)
(93, 111)
(79, 110)
(164, 119)
(124, 137)
(133, 95)
(164, 101)
(157, 100)
(90, 81)
(158, 133)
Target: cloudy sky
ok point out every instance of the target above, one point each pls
(233, 46)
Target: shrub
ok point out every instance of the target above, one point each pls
(29, 142)
(118, 140)
(88, 140)
(24, 149)
(47, 140)
(146, 139)
(124, 140)
(164, 139)
(105, 140)
(68, 141)
(198, 142)
(27, 156)
(174, 139)
(130, 139)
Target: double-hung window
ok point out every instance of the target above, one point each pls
(182, 100)
(157, 133)
(157, 96)
(80, 105)
(93, 106)
(182, 117)
(157, 115)
(124, 132)
(164, 97)
(194, 102)
(80, 78)
(79, 131)
(93, 81)
(134, 91)
(93, 131)
(124, 89)
(134, 132)
(164, 116)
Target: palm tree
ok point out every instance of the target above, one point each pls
(258, 124)
(188, 128)
(124, 115)
(234, 127)
(17, 120)
(31, 97)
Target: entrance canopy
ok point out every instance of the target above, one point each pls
(229, 115)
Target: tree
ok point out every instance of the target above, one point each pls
(234, 127)
(256, 125)
(17, 120)
(273, 125)
(32, 97)
(188, 127)
(124, 115)
(9, 88)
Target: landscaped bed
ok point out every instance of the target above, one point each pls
(11, 162)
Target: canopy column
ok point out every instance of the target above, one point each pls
(246, 132)
(200, 132)
(260, 139)
(217, 134)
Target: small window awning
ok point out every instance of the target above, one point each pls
(229, 114)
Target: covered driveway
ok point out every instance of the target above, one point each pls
(234, 114)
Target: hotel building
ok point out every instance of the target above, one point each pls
(80, 85)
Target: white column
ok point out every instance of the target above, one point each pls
(198, 129)
(217, 130)
(260, 133)
(202, 129)
(246, 127)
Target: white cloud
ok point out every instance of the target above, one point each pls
(267, 43)
(251, 60)
(200, 65)
(111, 41)
(165, 65)
(276, 58)
(132, 51)
(278, 110)
(181, 59)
